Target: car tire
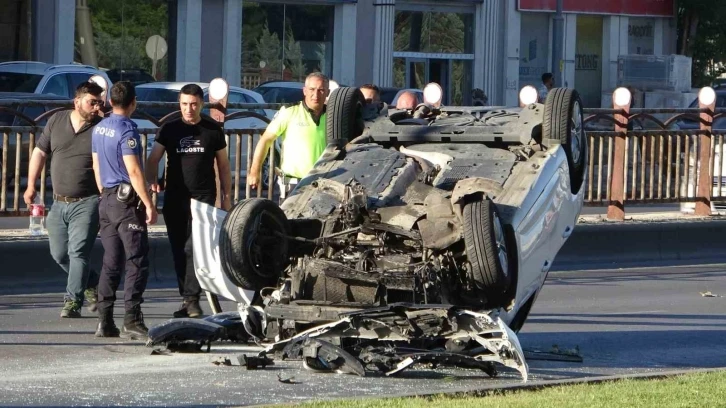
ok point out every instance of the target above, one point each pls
(344, 115)
(252, 254)
(265, 172)
(486, 249)
(563, 123)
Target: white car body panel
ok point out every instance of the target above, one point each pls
(206, 228)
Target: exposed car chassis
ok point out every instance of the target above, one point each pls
(424, 240)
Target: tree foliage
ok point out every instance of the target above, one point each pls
(121, 28)
(702, 36)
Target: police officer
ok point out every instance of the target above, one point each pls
(303, 130)
(125, 209)
(193, 146)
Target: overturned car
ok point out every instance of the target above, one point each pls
(420, 236)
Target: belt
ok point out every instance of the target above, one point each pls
(65, 199)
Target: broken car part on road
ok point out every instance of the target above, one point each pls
(420, 235)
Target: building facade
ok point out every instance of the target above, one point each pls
(495, 45)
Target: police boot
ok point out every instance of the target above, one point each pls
(134, 327)
(106, 326)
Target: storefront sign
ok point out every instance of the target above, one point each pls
(662, 8)
(641, 36)
(586, 62)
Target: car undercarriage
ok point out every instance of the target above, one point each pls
(414, 240)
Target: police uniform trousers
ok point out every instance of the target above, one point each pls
(178, 221)
(125, 242)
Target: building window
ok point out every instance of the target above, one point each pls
(425, 31)
(534, 49)
(14, 30)
(641, 36)
(120, 30)
(285, 42)
(434, 46)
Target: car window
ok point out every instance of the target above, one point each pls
(241, 97)
(57, 85)
(720, 102)
(77, 78)
(6, 119)
(236, 97)
(280, 95)
(32, 112)
(19, 82)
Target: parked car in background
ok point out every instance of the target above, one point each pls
(42, 78)
(27, 117)
(281, 91)
(134, 75)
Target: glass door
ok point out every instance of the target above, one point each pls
(417, 72)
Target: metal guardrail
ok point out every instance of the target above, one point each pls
(654, 162)
(14, 182)
(658, 160)
(18, 143)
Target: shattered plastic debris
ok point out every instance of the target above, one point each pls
(709, 294)
(289, 380)
(254, 363)
(222, 361)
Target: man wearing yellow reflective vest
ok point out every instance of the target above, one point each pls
(302, 128)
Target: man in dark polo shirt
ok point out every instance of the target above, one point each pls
(73, 219)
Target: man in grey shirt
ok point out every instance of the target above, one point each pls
(73, 219)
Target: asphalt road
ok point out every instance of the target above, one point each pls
(623, 322)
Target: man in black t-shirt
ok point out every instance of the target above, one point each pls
(192, 145)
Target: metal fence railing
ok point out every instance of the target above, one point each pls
(18, 144)
(638, 156)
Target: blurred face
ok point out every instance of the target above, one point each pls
(407, 100)
(88, 106)
(191, 108)
(370, 95)
(315, 92)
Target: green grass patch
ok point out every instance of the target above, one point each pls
(692, 390)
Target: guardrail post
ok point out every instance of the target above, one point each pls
(218, 94)
(706, 100)
(616, 207)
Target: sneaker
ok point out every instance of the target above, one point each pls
(190, 308)
(134, 327)
(91, 295)
(71, 309)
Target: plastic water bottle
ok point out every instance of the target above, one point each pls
(37, 216)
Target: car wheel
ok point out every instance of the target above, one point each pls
(486, 249)
(344, 115)
(252, 253)
(265, 172)
(563, 123)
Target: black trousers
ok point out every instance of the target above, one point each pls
(178, 220)
(125, 242)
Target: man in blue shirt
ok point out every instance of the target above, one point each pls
(125, 209)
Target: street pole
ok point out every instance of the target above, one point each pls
(557, 46)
